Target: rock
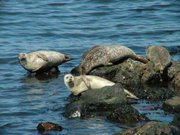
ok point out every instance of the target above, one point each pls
(138, 78)
(173, 69)
(153, 93)
(48, 126)
(127, 72)
(131, 73)
(91, 102)
(172, 105)
(176, 120)
(126, 114)
(149, 75)
(152, 128)
(174, 76)
(176, 81)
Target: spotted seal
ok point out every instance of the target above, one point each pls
(78, 84)
(159, 56)
(106, 55)
(42, 60)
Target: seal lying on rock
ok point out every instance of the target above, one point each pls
(40, 61)
(106, 55)
(82, 83)
(159, 56)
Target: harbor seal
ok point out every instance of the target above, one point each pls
(159, 56)
(106, 55)
(40, 61)
(78, 84)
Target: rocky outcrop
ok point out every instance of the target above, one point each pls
(105, 99)
(142, 77)
(152, 128)
(155, 80)
(108, 101)
(126, 114)
(174, 76)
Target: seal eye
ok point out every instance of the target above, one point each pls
(67, 77)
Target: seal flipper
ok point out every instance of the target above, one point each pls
(67, 58)
(109, 64)
(42, 56)
(130, 95)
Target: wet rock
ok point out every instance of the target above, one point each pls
(126, 114)
(153, 93)
(174, 76)
(176, 120)
(131, 73)
(152, 128)
(140, 79)
(95, 102)
(48, 126)
(172, 105)
(127, 72)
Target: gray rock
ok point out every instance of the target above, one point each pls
(152, 128)
(174, 76)
(142, 79)
(176, 120)
(91, 102)
(126, 114)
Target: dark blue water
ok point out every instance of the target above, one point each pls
(71, 27)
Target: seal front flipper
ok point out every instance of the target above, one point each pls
(42, 56)
(130, 95)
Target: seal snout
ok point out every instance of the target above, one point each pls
(22, 56)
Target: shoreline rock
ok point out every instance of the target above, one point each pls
(152, 128)
(109, 102)
(172, 105)
(48, 126)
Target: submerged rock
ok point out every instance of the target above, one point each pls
(48, 126)
(172, 105)
(152, 128)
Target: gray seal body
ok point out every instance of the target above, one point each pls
(106, 55)
(42, 60)
(159, 56)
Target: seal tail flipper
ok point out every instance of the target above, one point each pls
(130, 95)
(67, 58)
(141, 59)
